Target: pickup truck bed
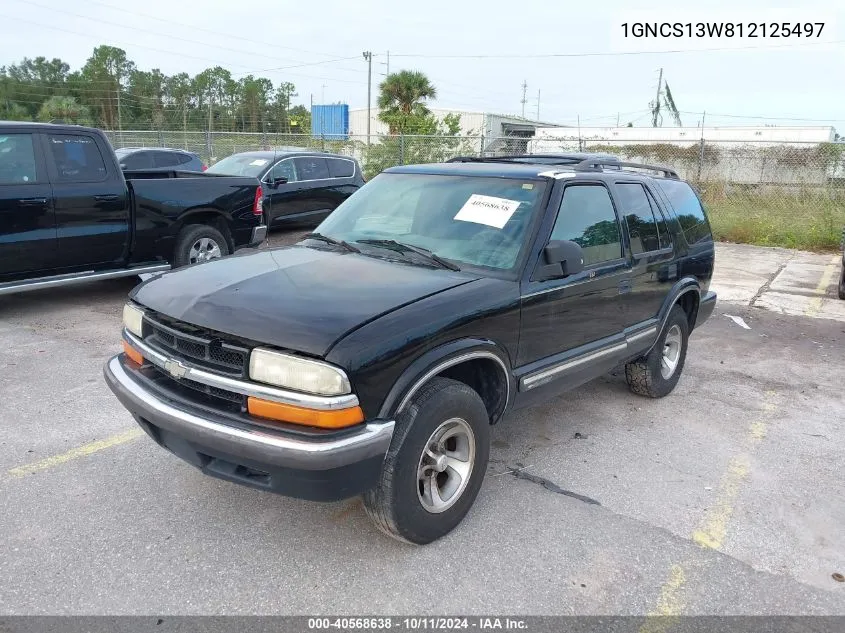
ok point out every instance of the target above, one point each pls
(68, 214)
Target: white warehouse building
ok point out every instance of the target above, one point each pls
(551, 139)
(492, 127)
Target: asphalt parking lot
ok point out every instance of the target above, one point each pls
(725, 497)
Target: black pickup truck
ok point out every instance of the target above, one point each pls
(69, 214)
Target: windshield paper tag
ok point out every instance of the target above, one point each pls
(487, 210)
(258, 162)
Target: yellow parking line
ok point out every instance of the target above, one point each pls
(74, 453)
(815, 304)
(669, 605)
(711, 533)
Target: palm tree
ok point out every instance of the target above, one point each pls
(66, 109)
(402, 96)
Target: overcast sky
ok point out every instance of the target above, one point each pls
(781, 79)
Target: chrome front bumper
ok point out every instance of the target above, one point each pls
(255, 445)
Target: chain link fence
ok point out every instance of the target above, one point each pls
(781, 194)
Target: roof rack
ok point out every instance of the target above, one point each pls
(540, 159)
(479, 159)
(593, 164)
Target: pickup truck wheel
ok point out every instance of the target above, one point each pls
(842, 281)
(656, 374)
(199, 243)
(435, 465)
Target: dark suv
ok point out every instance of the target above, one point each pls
(300, 186)
(373, 356)
(158, 159)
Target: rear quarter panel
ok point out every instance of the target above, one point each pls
(163, 205)
(377, 354)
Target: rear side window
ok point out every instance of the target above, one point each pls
(169, 159)
(76, 158)
(339, 168)
(586, 216)
(137, 160)
(311, 168)
(17, 159)
(283, 169)
(640, 216)
(688, 208)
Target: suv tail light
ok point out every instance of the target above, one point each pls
(256, 204)
(204, 166)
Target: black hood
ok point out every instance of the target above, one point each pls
(296, 298)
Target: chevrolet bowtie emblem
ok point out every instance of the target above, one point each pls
(175, 368)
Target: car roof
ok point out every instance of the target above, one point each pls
(35, 125)
(508, 170)
(541, 166)
(289, 152)
(127, 150)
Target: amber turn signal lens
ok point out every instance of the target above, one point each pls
(336, 419)
(133, 353)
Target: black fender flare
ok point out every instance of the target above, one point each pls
(431, 363)
(220, 217)
(682, 286)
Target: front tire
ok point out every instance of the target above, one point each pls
(656, 374)
(199, 243)
(842, 281)
(435, 465)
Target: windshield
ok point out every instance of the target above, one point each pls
(470, 220)
(240, 165)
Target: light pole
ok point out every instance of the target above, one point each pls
(368, 55)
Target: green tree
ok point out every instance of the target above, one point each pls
(255, 94)
(212, 87)
(28, 84)
(144, 103)
(66, 109)
(101, 81)
(11, 111)
(434, 141)
(149, 99)
(402, 98)
(281, 114)
(299, 120)
(180, 100)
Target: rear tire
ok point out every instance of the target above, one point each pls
(435, 465)
(656, 374)
(198, 243)
(842, 281)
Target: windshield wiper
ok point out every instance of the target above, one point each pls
(402, 246)
(332, 241)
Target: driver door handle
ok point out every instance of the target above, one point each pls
(32, 202)
(109, 197)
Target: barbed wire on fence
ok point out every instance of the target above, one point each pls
(736, 162)
(787, 194)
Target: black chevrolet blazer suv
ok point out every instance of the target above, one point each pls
(373, 356)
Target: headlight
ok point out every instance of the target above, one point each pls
(133, 319)
(300, 374)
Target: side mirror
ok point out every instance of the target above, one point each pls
(275, 182)
(560, 258)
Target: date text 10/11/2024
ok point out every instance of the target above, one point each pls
(418, 624)
(756, 30)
